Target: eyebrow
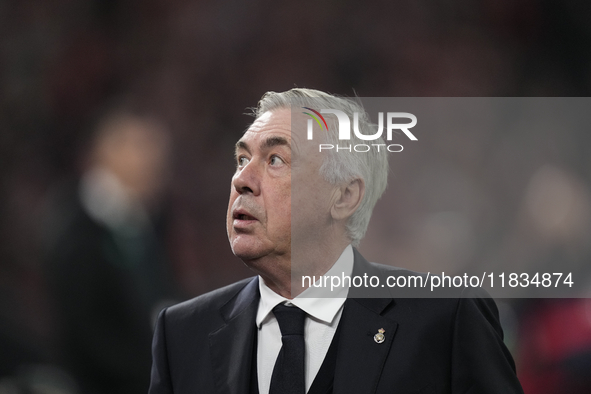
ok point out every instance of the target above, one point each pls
(268, 143)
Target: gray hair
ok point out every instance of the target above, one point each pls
(344, 166)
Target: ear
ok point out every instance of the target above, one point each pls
(348, 198)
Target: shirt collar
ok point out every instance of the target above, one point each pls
(319, 302)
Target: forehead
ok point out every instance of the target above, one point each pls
(271, 123)
(281, 122)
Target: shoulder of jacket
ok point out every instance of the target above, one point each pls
(208, 302)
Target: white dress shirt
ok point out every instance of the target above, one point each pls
(323, 307)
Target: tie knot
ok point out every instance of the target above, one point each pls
(290, 318)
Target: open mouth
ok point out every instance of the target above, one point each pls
(243, 216)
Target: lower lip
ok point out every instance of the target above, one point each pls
(242, 223)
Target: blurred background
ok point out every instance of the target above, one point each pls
(117, 121)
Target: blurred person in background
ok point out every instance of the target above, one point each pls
(554, 342)
(105, 262)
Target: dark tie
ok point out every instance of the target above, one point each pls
(288, 373)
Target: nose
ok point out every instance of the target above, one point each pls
(247, 179)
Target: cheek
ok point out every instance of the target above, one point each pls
(312, 208)
(279, 209)
(233, 196)
(286, 202)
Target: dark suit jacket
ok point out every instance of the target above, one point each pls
(452, 345)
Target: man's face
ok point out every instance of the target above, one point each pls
(259, 211)
(277, 172)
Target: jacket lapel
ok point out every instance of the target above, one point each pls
(360, 358)
(232, 345)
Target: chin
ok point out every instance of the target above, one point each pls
(245, 255)
(246, 250)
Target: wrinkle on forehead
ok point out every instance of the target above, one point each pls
(279, 122)
(276, 125)
(269, 142)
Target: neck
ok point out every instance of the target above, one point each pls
(304, 262)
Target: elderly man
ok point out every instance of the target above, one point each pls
(297, 212)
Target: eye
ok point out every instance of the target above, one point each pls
(276, 161)
(242, 161)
